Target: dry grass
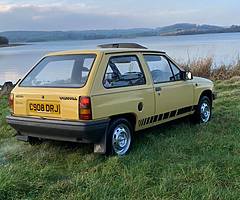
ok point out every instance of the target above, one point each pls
(205, 67)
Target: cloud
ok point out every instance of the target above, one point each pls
(76, 8)
(4, 8)
(60, 17)
(72, 15)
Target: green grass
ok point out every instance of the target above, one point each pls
(175, 161)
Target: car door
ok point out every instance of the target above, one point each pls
(123, 86)
(173, 96)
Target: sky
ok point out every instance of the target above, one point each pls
(48, 15)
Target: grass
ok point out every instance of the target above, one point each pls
(177, 161)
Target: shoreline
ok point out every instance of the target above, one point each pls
(167, 34)
(131, 37)
(12, 45)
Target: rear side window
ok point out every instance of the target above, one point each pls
(60, 71)
(123, 71)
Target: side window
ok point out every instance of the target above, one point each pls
(123, 71)
(160, 68)
(176, 71)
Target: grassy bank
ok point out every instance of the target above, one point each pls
(205, 67)
(175, 161)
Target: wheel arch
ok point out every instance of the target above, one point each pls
(208, 93)
(131, 117)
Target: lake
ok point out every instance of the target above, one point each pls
(224, 48)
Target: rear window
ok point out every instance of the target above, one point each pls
(60, 71)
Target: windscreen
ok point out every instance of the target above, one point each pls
(60, 71)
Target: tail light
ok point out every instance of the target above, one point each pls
(11, 101)
(85, 112)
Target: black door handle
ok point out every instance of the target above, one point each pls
(158, 89)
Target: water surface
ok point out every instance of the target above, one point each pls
(225, 48)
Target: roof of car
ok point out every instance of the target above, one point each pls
(106, 51)
(109, 49)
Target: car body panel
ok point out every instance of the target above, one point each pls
(201, 85)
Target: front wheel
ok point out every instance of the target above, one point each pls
(203, 113)
(119, 137)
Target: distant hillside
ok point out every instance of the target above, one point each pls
(40, 36)
(182, 28)
(176, 29)
(193, 29)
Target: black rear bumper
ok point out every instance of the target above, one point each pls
(74, 131)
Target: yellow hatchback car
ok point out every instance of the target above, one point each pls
(103, 96)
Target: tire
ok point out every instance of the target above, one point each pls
(119, 137)
(34, 141)
(203, 112)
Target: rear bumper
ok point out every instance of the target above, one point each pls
(82, 132)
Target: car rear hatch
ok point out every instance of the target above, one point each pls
(53, 87)
(48, 103)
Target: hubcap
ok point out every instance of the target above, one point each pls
(205, 112)
(121, 139)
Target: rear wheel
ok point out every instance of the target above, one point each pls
(119, 137)
(203, 113)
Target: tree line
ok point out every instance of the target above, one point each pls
(3, 40)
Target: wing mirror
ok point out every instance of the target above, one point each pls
(186, 75)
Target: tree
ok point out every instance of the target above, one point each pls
(3, 40)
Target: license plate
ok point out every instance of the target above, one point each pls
(44, 107)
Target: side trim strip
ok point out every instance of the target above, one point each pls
(164, 116)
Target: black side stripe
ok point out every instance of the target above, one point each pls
(173, 113)
(184, 110)
(145, 120)
(155, 118)
(140, 122)
(164, 116)
(151, 120)
(160, 117)
(148, 119)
